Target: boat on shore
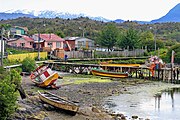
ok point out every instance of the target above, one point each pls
(106, 73)
(43, 76)
(58, 102)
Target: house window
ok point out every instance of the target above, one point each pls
(31, 43)
(22, 44)
(13, 44)
(49, 44)
(58, 44)
(80, 44)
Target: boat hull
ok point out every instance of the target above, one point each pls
(119, 65)
(109, 74)
(59, 102)
(44, 76)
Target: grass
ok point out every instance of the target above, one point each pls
(80, 79)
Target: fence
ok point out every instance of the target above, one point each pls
(21, 57)
(92, 54)
(24, 48)
(79, 54)
(125, 53)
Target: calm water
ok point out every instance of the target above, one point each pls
(165, 106)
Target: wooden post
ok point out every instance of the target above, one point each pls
(158, 74)
(171, 75)
(162, 71)
(178, 74)
(136, 73)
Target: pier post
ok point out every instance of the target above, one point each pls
(158, 74)
(162, 72)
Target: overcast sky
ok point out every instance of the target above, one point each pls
(144, 10)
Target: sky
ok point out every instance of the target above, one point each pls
(142, 10)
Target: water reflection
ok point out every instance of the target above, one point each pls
(165, 106)
(164, 96)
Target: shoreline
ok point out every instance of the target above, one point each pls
(89, 95)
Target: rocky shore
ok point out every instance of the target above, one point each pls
(89, 95)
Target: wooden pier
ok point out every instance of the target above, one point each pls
(170, 75)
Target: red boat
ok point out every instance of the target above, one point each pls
(43, 76)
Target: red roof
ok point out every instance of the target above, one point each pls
(27, 38)
(50, 37)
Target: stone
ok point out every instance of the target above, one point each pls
(135, 117)
(96, 110)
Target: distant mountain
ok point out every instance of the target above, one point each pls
(51, 14)
(5, 16)
(172, 16)
(119, 21)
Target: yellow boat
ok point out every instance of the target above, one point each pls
(59, 102)
(105, 73)
(118, 65)
(44, 77)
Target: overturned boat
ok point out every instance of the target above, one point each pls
(43, 76)
(59, 102)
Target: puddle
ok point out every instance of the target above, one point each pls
(165, 106)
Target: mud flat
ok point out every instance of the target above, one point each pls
(86, 90)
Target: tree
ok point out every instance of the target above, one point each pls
(176, 49)
(108, 36)
(28, 64)
(60, 34)
(10, 80)
(6, 29)
(145, 37)
(130, 39)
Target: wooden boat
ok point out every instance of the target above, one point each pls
(118, 65)
(58, 102)
(44, 77)
(105, 73)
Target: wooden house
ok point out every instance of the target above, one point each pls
(17, 30)
(48, 41)
(77, 43)
(21, 41)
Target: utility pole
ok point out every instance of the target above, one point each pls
(2, 45)
(154, 31)
(83, 31)
(38, 45)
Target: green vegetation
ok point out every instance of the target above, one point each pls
(176, 49)
(80, 79)
(70, 27)
(14, 51)
(10, 81)
(108, 36)
(28, 65)
(129, 39)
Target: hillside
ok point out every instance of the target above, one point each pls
(71, 27)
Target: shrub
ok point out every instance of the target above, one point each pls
(176, 48)
(28, 64)
(10, 81)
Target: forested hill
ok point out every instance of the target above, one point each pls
(91, 28)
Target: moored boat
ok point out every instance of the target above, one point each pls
(106, 73)
(58, 102)
(118, 65)
(44, 77)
